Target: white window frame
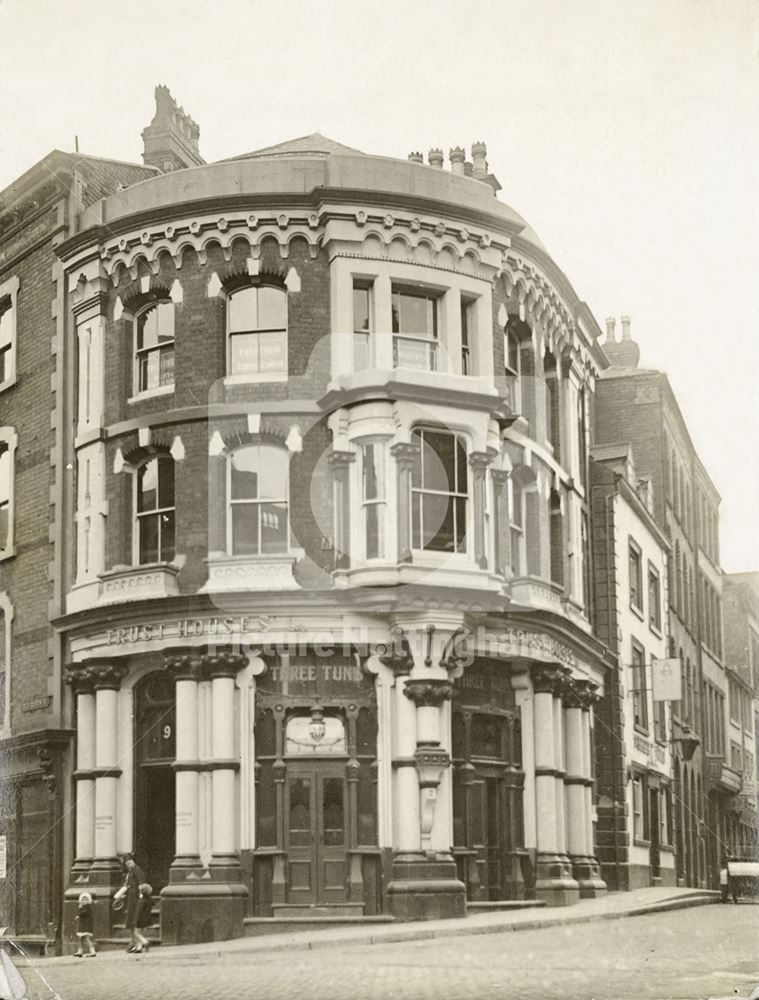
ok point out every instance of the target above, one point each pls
(452, 495)
(230, 503)
(9, 439)
(7, 613)
(379, 502)
(367, 285)
(432, 340)
(9, 290)
(247, 377)
(154, 390)
(156, 512)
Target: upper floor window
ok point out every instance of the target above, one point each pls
(439, 492)
(257, 331)
(654, 599)
(257, 521)
(6, 339)
(154, 336)
(362, 325)
(155, 511)
(415, 328)
(467, 331)
(516, 524)
(7, 450)
(512, 364)
(373, 498)
(635, 564)
(640, 688)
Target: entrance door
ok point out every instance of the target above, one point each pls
(654, 856)
(316, 834)
(155, 830)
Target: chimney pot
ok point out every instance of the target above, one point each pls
(479, 161)
(457, 157)
(611, 335)
(416, 158)
(626, 328)
(435, 157)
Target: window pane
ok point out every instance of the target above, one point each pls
(243, 310)
(438, 462)
(6, 323)
(273, 527)
(168, 547)
(166, 366)
(165, 482)
(300, 811)
(272, 352)
(245, 529)
(373, 529)
(460, 505)
(334, 811)
(273, 467)
(244, 350)
(360, 309)
(148, 539)
(147, 486)
(244, 474)
(372, 473)
(437, 517)
(416, 520)
(272, 308)
(415, 314)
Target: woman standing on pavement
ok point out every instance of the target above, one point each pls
(132, 881)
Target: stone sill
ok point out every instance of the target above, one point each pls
(233, 573)
(137, 583)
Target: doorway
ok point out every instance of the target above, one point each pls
(316, 835)
(654, 853)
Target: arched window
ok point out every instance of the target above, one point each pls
(257, 331)
(154, 346)
(154, 510)
(257, 488)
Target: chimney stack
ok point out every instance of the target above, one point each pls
(479, 161)
(457, 156)
(416, 158)
(624, 353)
(611, 334)
(171, 139)
(435, 157)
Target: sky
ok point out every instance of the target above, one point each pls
(627, 134)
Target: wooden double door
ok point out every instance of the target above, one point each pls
(316, 832)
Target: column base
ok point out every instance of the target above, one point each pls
(554, 882)
(587, 873)
(202, 910)
(186, 866)
(425, 887)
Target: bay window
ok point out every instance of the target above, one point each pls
(257, 331)
(154, 346)
(415, 328)
(439, 492)
(257, 488)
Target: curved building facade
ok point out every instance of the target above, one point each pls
(326, 620)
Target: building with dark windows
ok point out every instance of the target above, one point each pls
(300, 590)
(634, 765)
(638, 406)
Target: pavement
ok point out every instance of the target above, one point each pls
(613, 906)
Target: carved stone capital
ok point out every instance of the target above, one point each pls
(80, 679)
(405, 453)
(184, 664)
(549, 678)
(97, 675)
(430, 762)
(428, 692)
(223, 663)
(586, 693)
(479, 462)
(340, 459)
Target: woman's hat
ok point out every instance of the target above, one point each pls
(85, 899)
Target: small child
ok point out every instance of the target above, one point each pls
(85, 931)
(144, 916)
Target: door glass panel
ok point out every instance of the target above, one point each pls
(333, 805)
(477, 816)
(300, 812)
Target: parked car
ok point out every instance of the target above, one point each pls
(739, 876)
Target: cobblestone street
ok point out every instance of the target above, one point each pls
(708, 951)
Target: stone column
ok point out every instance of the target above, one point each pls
(107, 676)
(186, 667)
(554, 881)
(479, 462)
(222, 668)
(404, 455)
(84, 775)
(501, 523)
(574, 779)
(198, 904)
(586, 868)
(423, 882)
(340, 462)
